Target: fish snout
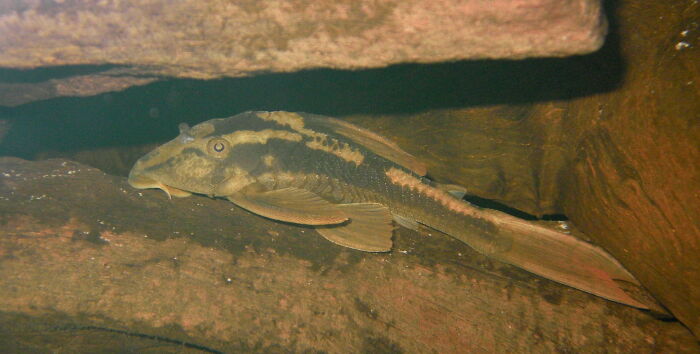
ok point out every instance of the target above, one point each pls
(138, 180)
(138, 174)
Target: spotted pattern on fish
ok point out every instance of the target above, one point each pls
(319, 141)
(259, 137)
(403, 179)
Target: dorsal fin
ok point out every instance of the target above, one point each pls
(374, 142)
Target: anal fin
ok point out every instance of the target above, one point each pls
(406, 222)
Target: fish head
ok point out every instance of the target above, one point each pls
(198, 160)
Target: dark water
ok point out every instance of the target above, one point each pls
(151, 113)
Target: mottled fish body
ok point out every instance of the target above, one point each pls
(349, 183)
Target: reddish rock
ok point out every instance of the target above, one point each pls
(213, 39)
(634, 183)
(83, 253)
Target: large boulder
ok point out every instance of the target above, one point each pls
(126, 43)
(84, 256)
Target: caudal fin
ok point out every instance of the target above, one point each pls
(565, 259)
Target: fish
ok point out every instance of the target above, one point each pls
(351, 185)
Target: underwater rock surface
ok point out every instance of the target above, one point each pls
(214, 39)
(83, 254)
(634, 180)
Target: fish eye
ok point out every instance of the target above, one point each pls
(218, 147)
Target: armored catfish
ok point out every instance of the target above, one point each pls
(350, 183)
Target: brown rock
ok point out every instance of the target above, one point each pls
(213, 39)
(14, 94)
(82, 255)
(634, 186)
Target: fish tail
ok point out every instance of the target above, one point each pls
(538, 249)
(563, 258)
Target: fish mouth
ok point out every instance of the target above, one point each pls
(142, 182)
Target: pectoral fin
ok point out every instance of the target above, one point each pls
(369, 228)
(293, 205)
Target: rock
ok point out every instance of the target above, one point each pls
(15, 94)
(214, 39)
(634, 179)
(82, 255)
